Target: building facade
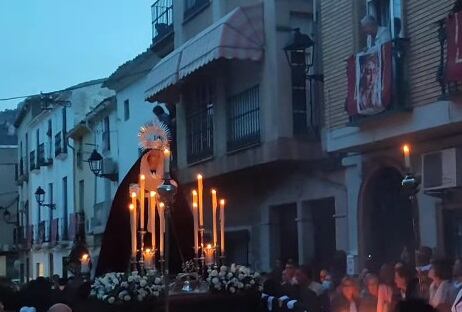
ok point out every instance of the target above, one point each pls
(51, 219)
(420, 111)
(8, 210)
(248, 119)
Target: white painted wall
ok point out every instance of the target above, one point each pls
(140, 114)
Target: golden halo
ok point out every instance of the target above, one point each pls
(154, 135)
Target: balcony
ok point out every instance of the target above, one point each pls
(43, 159)
(22, 171)
(40, 233)
(243, 120)
(194, 7)
(449, 70)
(29, 236)
(76, 225)
(162, 22)
(200, 135)
(60, 145)
(19, 236)
(379, 91)
(34, 167)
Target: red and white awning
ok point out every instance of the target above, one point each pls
(237, 35)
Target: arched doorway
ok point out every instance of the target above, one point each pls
(386, 218)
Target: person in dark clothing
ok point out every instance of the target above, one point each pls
(407, 283)
(272, 285)
(307, 297)
(414, 305)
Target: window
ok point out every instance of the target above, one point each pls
(106, 135)
(199, 122)
(49, 140)
(50, 200)
(64, 131)
(126, 110)
(81, 195)
(193, 7)
(243, 120)
(386, 11)
(65, 213)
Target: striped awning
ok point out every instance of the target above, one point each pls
(237, 35)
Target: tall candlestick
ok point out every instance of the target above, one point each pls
(214, 217)
(196, 231)
(162, 228)
(407, 156)
(142, 187)
(166, 162)
(152, 219)
(200, 189)
(222, 226)
(133, 228)
(209, 255)
(85, 264)
(194, 197)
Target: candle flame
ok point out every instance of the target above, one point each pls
(84, 257)
(152, 193)
(194, 192)
(199, 176)
(214, 191)
(194, 205)
(222, 202)
(142, 177)
(148, 250)
(209, 246)
(131, 207)
(133, 194)
(406, 149)
(161, 205)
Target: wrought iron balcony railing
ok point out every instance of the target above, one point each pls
(162, 20)
(243, 119)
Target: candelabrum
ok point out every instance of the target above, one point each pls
(167, 191)
(411, 186)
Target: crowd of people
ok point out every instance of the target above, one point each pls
(43, 294)
(430, 285)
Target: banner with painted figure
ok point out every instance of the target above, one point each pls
(369, 81)
(454, 54)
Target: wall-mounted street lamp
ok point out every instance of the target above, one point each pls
(300, 52)
(40, 198)
(95, 161)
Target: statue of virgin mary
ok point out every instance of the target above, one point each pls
(116, 244)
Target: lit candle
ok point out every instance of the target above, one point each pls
(214, 217)
(200, 189)
(196, 231)
(194, 197)
(149, 258)
(222, 226)
(162, 228)
(85, 264)
(407, 156)
(166, 161)
(142, 186)
(152, 218)
(133, 228)
(208, 251)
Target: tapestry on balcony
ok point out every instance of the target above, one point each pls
(454, 57)
(369, 81)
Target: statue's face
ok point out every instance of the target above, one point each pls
(154, 159)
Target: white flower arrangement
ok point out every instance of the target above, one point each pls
(233, 279)
(118, 288)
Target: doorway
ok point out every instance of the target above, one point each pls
(322, 214)
(284, 233)
(387, 219)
